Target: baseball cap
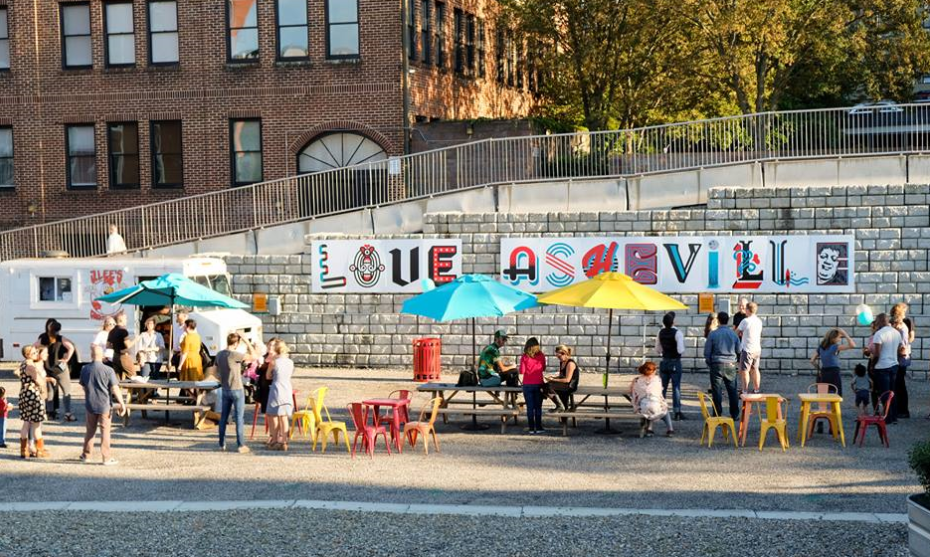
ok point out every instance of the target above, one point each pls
(500, 333)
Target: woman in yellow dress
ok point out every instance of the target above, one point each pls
(191, 365)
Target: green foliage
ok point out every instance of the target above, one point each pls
(626, 63)
(919, 460)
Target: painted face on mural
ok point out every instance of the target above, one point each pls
(828, 262)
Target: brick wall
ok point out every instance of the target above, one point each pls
(891, 224)
(295, 100)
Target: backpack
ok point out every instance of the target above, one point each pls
(467, 378)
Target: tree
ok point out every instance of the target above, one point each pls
(606, 62)
(757, 52)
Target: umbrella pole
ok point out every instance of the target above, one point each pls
(607, 429)
(474, 425)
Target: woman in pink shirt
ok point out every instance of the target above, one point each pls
(532, 367)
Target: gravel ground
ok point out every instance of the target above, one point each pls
(159, 461)
(309, 532)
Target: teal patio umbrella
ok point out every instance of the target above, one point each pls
(469, 297)
(170, 290)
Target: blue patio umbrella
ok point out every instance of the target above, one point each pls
(170, 290)
(469, 297)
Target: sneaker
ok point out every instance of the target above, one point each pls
(2, 445)
(541, 431)
(223, 448)
(110, 462)
(670, 433)
(243, 449)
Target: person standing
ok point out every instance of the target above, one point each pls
(191, 364)
(899, 321)
(120, 343)
(750, 334)
(31, 406)
(670, 344)
(177, 335)
(827, 356)
(281, 397)
(4, 414)
(229, 365)
(532, 368)
(115, 242)
(887, 345)
(102, 335)
(740, 312)
(711, 324)
(150, 347)
(60, 352)
(721, 352)
(99, 382)
(492, 371)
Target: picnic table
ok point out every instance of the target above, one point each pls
(503, 402)
(613, 398)
(140, 396)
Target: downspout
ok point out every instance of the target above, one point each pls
(405, 77)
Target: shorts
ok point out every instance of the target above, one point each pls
(749, 361)
(863, 397)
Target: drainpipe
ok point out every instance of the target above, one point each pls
(405, 78)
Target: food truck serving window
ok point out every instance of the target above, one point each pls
(55, 289)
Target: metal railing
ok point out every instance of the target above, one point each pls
(863, 130)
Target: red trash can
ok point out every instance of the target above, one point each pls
(427, 365)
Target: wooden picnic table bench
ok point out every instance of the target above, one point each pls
(140, 398)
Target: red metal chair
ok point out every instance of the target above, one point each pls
(403, 394)
(368, 433)
(878, 420)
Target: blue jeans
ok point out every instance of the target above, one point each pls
(151, 370)
(2, 430)
(884, 381)
(723, 377)
(233, 400)
(670, 369)
(533, 396)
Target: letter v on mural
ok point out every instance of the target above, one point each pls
(686, 264)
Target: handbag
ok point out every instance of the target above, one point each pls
(467, 378)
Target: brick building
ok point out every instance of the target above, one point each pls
(110, 104)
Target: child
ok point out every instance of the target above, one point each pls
(862, 386)
(4, 412)
(532, 366)
(648, 402)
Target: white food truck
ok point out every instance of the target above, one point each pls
(34, 290)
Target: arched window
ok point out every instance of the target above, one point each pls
(336, 150)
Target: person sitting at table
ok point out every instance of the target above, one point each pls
(492, 371)
(648, 402)
(559, 388)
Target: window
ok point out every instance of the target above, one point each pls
(521, 63)
(292, 30)
(511, 47)
(121, 39)
(458, 36)
(6, 157)
(411, 30)
(75, 36)
(426, 32)
(470, 44)
(163, 33)
(167, 158)
(440, 35)
(55, 289)
(246, 140)
(501, 55)
(242, 26)
(342, 29)
(482, 51)
(4, 39)
(82, 156)
(123, 138)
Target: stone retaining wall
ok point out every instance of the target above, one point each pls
(891, 225)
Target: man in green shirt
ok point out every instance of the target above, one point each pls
(492, 372)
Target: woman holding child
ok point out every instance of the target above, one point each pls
(32, 401)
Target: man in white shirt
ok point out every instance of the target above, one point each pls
(887, 344)
(670, 343)
(750, 334)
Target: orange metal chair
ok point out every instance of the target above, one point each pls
(424, 428)
(774, 418)
(823, 411)
(712, 422)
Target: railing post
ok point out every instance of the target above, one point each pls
(144, 226)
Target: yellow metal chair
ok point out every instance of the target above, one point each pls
(325, 427)
(712, 422)
(305, 420)
(775, 419)
(424, 428)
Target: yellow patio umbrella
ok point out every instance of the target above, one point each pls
(611, 291)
